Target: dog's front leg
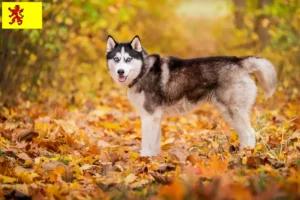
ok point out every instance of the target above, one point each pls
(151, 134)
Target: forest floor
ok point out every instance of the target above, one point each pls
(59, 151)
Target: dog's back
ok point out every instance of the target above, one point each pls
(190, 81)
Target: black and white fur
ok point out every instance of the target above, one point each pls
(161, 86)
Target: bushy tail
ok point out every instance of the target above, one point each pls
(264, 71)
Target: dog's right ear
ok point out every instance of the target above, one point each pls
(110, 44)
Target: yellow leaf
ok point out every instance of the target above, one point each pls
(257, 148)
(130, 178)
(233, 136)
(281, 156)
(134, 155)
(42, 128)
(27, 177)
(75, 185)
(140, 183)
(167, 143)
(22, 188)
(86, 166)
(113, 126)
(53, 190)
(7, 179)
(177, 171)
(244, 160)
(215, 145)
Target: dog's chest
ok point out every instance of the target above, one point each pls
(137, 100)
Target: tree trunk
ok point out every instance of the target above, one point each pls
(4, 56)
(262, 24)
(240, 6)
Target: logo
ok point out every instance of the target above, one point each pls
(22, 15)
(16, 15)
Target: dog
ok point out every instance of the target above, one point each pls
(159, 86)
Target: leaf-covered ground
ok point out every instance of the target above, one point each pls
(58, 151)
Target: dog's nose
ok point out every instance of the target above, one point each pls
(120, 71)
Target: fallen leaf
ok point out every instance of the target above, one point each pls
(27, 177)
(166, 144)
(25, 134)
(130, 178)
(164, 179)
(26, 161)
(7, 179)
(174, 191)
(102, 143)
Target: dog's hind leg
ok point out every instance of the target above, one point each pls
(239, 120)
(234, 105)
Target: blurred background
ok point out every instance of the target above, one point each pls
(65, 61)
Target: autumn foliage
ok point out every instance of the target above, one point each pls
(68, 132)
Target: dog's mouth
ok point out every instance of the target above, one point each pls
(122, 78)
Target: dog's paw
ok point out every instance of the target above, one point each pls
(250, 143)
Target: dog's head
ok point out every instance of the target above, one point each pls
(125, 60)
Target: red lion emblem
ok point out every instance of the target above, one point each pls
(15, 14)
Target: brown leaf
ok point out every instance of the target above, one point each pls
(25, 134)
(25, 160)
(11, 152)
(194, 158)
(143, 169)
(165, 167)
(61, 168)
(2, 118)
(114, 157)
(163, 179)
(52, 165)
(15, 194)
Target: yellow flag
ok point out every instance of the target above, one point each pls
(22, 15)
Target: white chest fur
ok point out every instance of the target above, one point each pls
(137, 100)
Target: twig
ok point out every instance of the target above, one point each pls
(281, 143)
(268, 147)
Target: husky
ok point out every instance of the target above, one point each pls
(159, 86)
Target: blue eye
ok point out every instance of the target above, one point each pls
(116, 59)
(128, 60)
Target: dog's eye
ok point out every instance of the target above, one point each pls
(128, 60)
(116, 59)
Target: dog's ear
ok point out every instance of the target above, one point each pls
(110, 44)
(136, 44)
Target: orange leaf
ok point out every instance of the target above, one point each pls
(175, 191)
(216, 167)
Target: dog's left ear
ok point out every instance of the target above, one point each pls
(136, 44)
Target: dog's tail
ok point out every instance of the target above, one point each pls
(264, 71)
